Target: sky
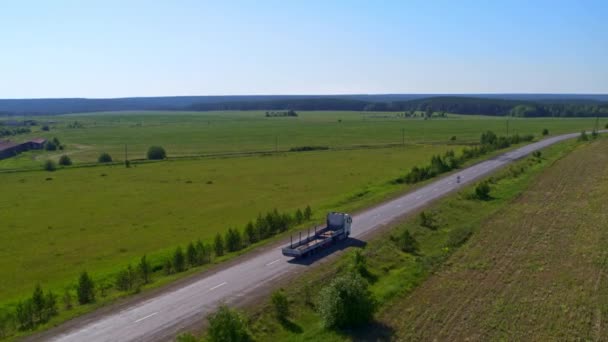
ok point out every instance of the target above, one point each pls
(124, 48)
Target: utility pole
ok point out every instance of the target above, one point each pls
(126, 158)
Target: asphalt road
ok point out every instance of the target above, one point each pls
(160, 317)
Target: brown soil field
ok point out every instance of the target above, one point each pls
(535, 271)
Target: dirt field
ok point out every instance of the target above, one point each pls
(535, 271)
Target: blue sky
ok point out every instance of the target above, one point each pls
(155, 48)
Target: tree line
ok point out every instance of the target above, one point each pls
(291, 113)
(439, 164)
(6, 132)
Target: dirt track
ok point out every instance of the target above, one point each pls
(535, 271)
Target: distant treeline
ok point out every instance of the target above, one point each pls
(497, 105)
(290, 112)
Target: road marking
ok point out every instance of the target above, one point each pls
(216, 286)
(273, 262)
(150, 315)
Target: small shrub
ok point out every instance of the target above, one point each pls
(407, 242)
(346, 302)
(104, 158)
(537, 154)
(86, 289)
(583, 136)
(227, 325)
(46, 128)
(50, 146)
(459, 236)
(280, 305)
(482, 191)
(453, 138)
(65, 160)
(545, 131)
(50, 165)
(179, 260)
(156, 153)
(429, 220)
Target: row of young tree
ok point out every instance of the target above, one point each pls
(199, 253)
(439, 164)
(42, 306)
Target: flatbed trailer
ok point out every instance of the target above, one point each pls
(337, 228)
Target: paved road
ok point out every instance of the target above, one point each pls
(160, 317)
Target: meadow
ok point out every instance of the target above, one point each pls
(100, 218)
(55, 224)
(199, 133)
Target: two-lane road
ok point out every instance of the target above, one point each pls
(161, 316)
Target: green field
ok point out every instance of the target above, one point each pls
(184, 134)
(56, 224)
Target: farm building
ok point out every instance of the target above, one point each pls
(10, 149)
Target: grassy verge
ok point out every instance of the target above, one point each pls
(394, 273)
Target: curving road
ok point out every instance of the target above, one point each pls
(161, 317)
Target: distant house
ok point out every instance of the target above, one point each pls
(10, 149)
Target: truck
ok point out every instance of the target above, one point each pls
(337, 228)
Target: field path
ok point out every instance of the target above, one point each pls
(162, 316)
(533, 272)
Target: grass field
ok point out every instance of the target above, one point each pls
(410, 312)
(196, 133)
(57, 224)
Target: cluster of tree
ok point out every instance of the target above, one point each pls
(308, 148)
(75, 124)
(5, 132)
(439, 164)
(35, 310)
(291, 113)
(132, 278)
(265, 226)
(489, 142)
(53, 145)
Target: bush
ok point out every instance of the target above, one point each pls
(545, 131)
(50, 165)
(65, 160)
(346, 302)
(144, 269)
(86, 289)
(104, 158)
(459, 236)
(280, 305)
(482, 191)
(407, 242)
(156, 153)
(46, 128)
(428, 220)
(583, 136)
(126, 279)
(227, 325)
(537, 154)
(50, 146)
